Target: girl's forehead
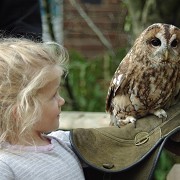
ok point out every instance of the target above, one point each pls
(53, 84)
(51, 81)
(50, 87)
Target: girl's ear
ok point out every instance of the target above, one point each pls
(14, 112)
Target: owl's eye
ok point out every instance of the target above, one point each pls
(174, 43)
(155, 42)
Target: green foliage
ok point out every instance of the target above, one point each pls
(164, 165)
(89, 80)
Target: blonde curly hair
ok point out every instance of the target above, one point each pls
(24, 70)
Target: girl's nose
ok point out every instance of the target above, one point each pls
(61, 101)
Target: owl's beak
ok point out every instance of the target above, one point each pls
(166, 54)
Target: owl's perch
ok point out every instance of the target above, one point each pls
(126, 150)
(80, 119)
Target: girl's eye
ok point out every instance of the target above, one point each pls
(56, 94)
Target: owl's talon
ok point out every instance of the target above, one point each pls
(134, 124)
(132, 120)
(123, 122)
(160, 113)
(119, 125)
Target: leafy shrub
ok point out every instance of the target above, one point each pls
(89, 80)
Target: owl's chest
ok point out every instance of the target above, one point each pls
(153, 80)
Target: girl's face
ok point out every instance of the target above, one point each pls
(51, 107)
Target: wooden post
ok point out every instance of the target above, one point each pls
(174, 173)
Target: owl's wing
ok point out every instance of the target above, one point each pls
(118, 82)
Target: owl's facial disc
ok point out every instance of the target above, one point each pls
(164, 48)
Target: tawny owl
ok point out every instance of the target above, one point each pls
(147, 80)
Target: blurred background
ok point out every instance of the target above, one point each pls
(97, 35)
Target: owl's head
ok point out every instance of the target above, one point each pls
(161, 43)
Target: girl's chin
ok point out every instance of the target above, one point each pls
(57, 124)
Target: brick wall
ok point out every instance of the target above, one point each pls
(108, 16)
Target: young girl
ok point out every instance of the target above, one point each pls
(30, 106)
